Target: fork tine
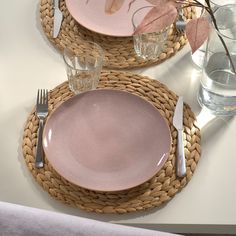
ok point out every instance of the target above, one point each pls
(38, 96)
(41, 96)
(46, 97)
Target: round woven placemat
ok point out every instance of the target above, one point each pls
(119, 51)
(153, 193)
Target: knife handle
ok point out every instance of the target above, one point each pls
(181, 165)
(56, 4)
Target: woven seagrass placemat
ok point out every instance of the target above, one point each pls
(119, 51)
(153, 193)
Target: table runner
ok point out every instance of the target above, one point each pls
(153, 193)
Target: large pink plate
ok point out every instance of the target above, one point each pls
(106, 140)
(92, 16)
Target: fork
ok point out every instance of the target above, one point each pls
(41, 112)
(180, 23)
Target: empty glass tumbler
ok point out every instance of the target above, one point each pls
(148, 45)
(83, 68)
(218, 82)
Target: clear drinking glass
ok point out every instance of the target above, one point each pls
(148, 45)
(84, 68)
(199, 55)
(218, 82)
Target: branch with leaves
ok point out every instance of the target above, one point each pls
(163, 13)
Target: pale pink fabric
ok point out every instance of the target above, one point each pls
(17, 220)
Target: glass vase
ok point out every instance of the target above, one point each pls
(218, 82)
(198, 55)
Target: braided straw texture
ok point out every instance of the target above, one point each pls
(153, 193)
(119, 51)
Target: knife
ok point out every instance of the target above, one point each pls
(178, 124)
(57, 18)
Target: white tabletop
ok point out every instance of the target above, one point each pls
(28, 61)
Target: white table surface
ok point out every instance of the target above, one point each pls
(28, 61)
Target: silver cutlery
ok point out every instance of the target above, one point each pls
(41, 112)
(180, 23)
(57, 18)
(178, 124)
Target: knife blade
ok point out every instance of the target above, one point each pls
(178, 124)
(57, 18)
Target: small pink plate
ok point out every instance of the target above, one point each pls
(106, 140)
(92, 16)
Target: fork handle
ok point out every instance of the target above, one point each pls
(181, 165)
(39, 160)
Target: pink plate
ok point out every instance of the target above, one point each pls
(92, 16)
(106, 140)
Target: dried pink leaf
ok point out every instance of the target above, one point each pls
(112, 6)
(197, 31)
(157, 19)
